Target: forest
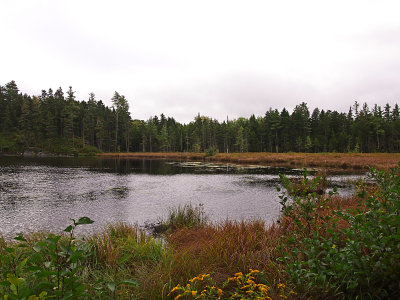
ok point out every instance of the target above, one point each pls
(57, 122)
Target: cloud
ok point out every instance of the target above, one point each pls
(217, 58)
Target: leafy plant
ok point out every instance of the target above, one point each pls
(50, 268)
(360, 258)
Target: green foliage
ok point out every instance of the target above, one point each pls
(49, 268)
(359, 260)
(88, 151)
(51, 119)
(211, 151)
(11, 143)
(53, 267)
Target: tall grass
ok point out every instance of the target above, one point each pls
(185, 216)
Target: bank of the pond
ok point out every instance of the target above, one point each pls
(333, 163)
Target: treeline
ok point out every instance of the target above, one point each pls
(59, 123)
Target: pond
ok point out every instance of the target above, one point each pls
(42, 194)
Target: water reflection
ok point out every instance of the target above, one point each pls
(44, 193)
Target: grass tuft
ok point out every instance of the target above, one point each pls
(186, 216)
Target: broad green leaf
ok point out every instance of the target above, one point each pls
(14, 280)
(20, 237)
(111, 286)
(130, 282)
(84, 220)
(37, 248)
(44, 285)
(4, 283)
(69, 228)
(65, 249)
(21, 265)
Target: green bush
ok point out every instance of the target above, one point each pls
(88, 151)
(211, 151)
(359, 260)
(51, 268)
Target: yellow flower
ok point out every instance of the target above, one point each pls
(175, 288)
(254, 271)
(177, 297)
(260, 285)
(333, 246)
(249, 281)
(281, 285)
(264, 290)
(219, 292)
(239, 274)
(194, 293)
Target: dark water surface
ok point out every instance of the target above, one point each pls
(44, 193)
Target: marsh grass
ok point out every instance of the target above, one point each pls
(185, 216)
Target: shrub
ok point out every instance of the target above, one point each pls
(49, 268)
(88, 151)
(211, 151)
(53, 267)
(358, 260)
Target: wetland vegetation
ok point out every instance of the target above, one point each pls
(322, 246)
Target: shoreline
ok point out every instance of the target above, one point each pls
(332, 163)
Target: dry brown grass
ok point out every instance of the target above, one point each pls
(332, 162)
(219, 249)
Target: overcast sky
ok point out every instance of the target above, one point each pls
(215, 57)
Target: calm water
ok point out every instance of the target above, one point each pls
(44, 193)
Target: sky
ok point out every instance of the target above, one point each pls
(217, 58)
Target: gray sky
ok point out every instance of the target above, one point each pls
(215, 57)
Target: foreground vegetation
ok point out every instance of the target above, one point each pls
(323, 246)
(59, 123)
